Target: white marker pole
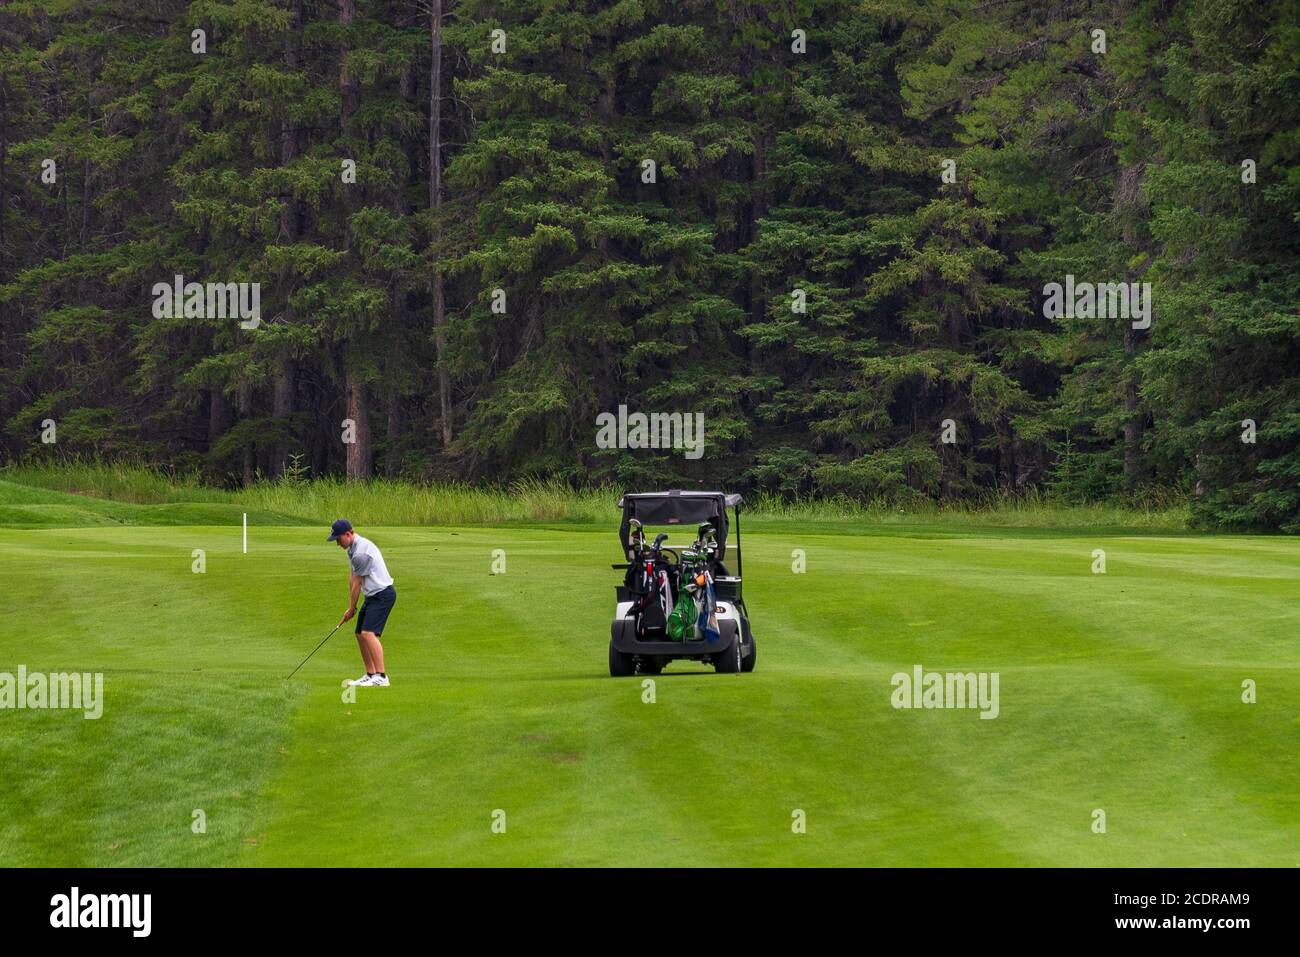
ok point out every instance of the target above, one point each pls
(245, 533)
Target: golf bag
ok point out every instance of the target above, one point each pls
(681, 623)
(648, 580)
(707, 622)
(695, 616)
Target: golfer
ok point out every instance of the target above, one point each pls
(369, 575)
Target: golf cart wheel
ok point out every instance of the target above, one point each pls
(620, 665)
(747, 662)
(728, 662)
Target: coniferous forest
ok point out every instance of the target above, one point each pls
(887, 249)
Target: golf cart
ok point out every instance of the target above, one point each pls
(653, 620)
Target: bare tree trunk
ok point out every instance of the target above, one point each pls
(746, 15)
(245, 399)
(218, 415)
(349, 85)
(358, 409)
(85, 201)
(289, 135)
(408, 87)
(358, 452)
(435, 202)
(4, 155)
(395, 424)
(758, 209)
(408, 90)
(1006, 454)
(607, 112)
(282, 404)
(1133, 425)
(1127, 195)
(282, 399)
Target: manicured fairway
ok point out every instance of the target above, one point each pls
(1119, 692)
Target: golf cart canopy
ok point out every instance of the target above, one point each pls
(678, 508)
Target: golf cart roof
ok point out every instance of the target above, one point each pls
(686, 505)
(676, 507)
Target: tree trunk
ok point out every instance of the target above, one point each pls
(746, 14)
(85, 202)
(1006, 454)
(1133, 425)
(282, 405)
(4, 155)
(395, 424)
(218, 416)
(288, 134)
(757, 210)
(408, 89)
(245, 410)
(607, 378)
(349, 85)
(435, 202)
(1127, 196)
(358, 451)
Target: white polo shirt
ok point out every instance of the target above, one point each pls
(368, 565)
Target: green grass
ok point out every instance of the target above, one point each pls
(389, 502)
(27, 507)
(1119, 691)
(378, 501)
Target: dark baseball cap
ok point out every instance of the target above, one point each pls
(338, 528)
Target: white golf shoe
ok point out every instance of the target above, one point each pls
(377, 681)
(361, 682)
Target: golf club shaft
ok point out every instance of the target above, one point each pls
(314, 650)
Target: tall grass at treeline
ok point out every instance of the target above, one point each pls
(397, 502)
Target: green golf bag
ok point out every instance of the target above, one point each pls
(681, 623)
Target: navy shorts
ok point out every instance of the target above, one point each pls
(374, 610)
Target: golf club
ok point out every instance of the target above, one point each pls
(314, 650)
